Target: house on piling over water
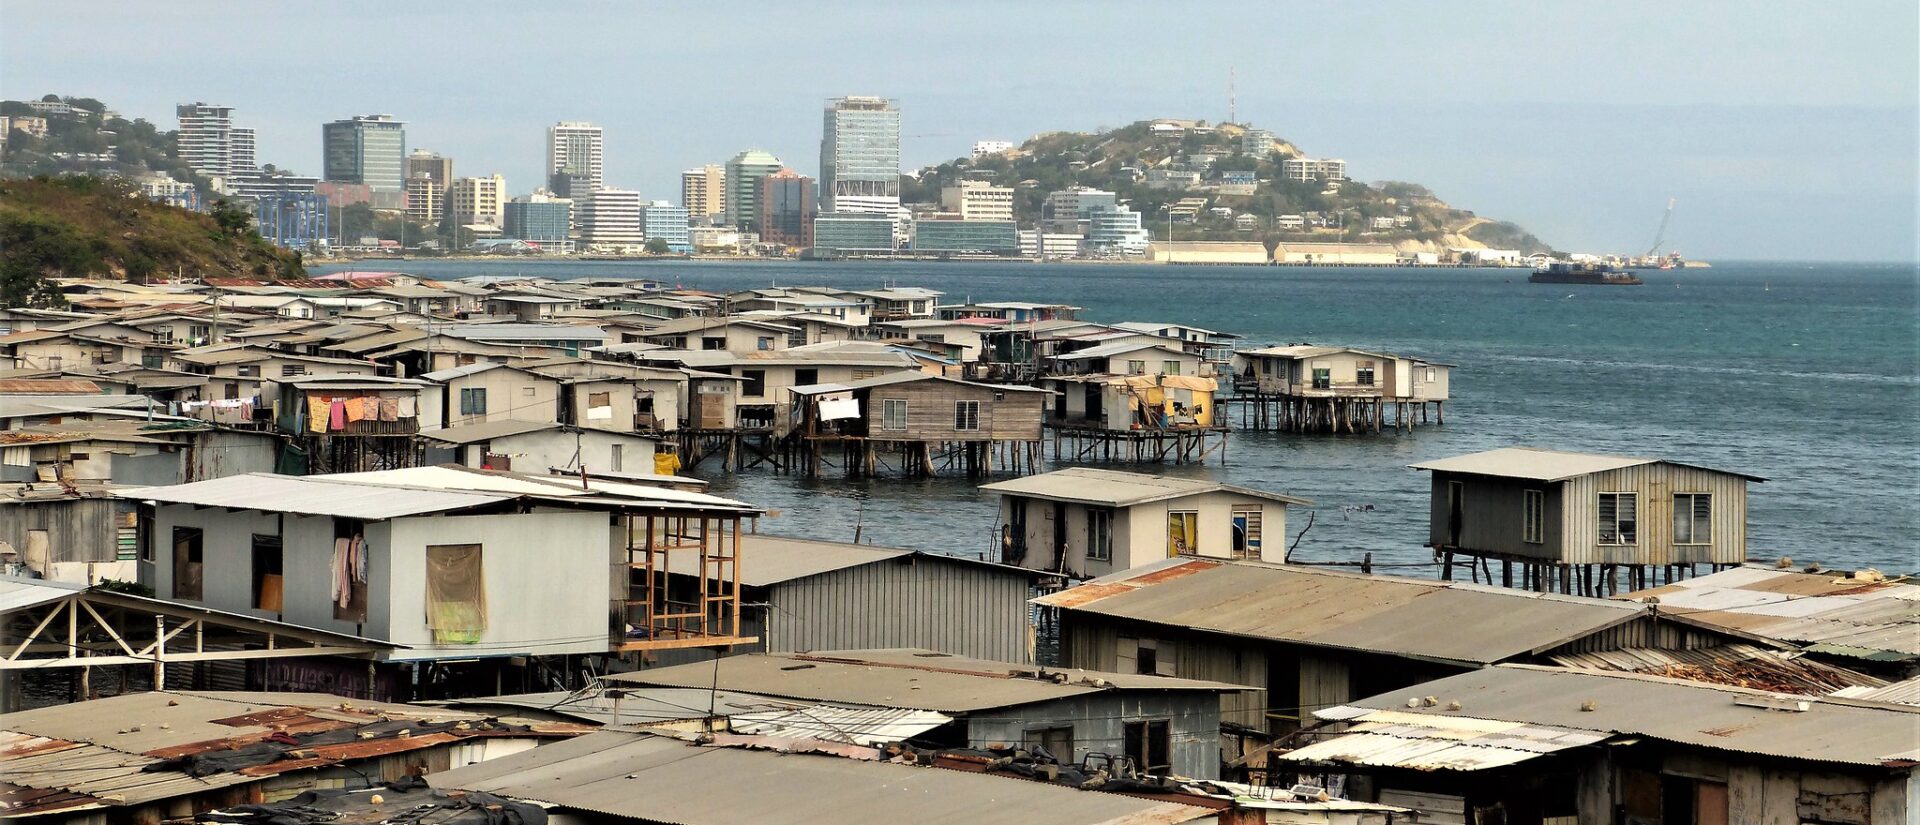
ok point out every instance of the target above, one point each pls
(921, 421)
(1573, 522)
(1107, 417)
(1084, 522)
(1304, 388)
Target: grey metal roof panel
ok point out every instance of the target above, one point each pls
(1537, 464)
(313, 496)
(1861, 616)
(659, 779)
(1693, 713)
(471, 433)
(769, 560)
(1117, 488)
(1417, 618)
(901, 678)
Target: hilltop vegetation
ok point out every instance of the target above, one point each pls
(1119, 160)
(91, 227)
(88, 142)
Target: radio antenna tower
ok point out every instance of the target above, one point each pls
(1233, 114)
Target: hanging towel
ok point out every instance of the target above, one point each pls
(371, 404)
(336, 415)
(389, 409)
(342, 590)
(360, 559)
(318, 411)
(407, 406)
(356, 409)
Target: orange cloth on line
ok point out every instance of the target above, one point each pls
(317, 411)
(356, 410)
(389, 409)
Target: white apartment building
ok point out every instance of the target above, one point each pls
(1257, 142)
(703, 192)
(574, 149)
(209, 142)
(1115, 231)
(983, 148)
(1049, 244)
(977, 200)
(478, 201)
(610, 219)
(426, 200)
(1172, 179)
(1306, 169)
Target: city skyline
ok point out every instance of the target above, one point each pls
(1728, 120)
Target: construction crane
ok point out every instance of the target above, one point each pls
(1660, 236)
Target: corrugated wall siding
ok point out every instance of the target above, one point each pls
(1094, 645)
(953, 607)
(1647, 631)
(1656, 484)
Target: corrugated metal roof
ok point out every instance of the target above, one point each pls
(769, 560)
(904, 377)
(1708, 716)
(1419, 618)
(1115, 488)
(451, 477)
(47, 386)
(484, 431)
(313, 496)
(1904, 693)
(1537, 464)
(634, 706)
(837, 723)
(658, 779)
(1146, 341)
(20, 594)
(1742, 665)
(902, 678)
(1393, 739)
(1863, 617)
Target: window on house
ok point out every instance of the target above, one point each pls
(1183, 533)
(55, 362)
(1533, 517)
(1169, 367)
(1146, 656)
(1620, 518)
(249, 370)
(1147, 744)
(267, 573)
(713, 343)
(616, 457)
(966, 416)
(756, 384)
(864, 373)
(473, 401)
(1322, 378)
(529, 391)
(1431, 375)
(1692, 518)
(1058, 741)
(1246, 531)
(893, 414)
(189, 563)
(805, 376)
(1136, 368)
(1363, 374)
(289, 370)
(1099, 534)
(456, 593)
(763, 343)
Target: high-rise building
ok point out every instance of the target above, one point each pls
(1066, 210)
(370, 149)
(542, 220)
(663, 221)
(703, 192)
(856, 233)
(786, 209)
(478, 201)
(209, 142)
(744, 174)
(575, 165)
(610, 218)
(430, 164)
(426, 199)
(860, 156)
(978, 200)
(1257, 142)
(1115, 230)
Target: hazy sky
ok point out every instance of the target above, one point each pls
(1786, 130)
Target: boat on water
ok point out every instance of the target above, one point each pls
(1560, 272)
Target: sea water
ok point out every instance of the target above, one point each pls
(1806, 374)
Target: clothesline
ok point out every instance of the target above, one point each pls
(337, 413)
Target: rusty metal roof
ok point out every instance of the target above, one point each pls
(1451, 622)
(641, 776)
(47, 386)
(903, 678)
(125, 750)
(1862, 616)
(1741, 665)
(1720, 717)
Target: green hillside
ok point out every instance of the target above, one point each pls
(1118, 160)
(93, 227)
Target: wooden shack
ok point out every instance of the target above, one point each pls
(920, 423)
(1304, 388)
(1108, 417)
(1573, 522)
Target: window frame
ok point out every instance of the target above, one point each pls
(1533, 516)
(1194, 517)
(195, 538)
(1100, 534)
(969, 420)
(755, 385)
(1694, 519)
(1169, 367)
(1142, 732)
(1621, 538)
(1364, 373)
(888, 421)
(473, 400)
